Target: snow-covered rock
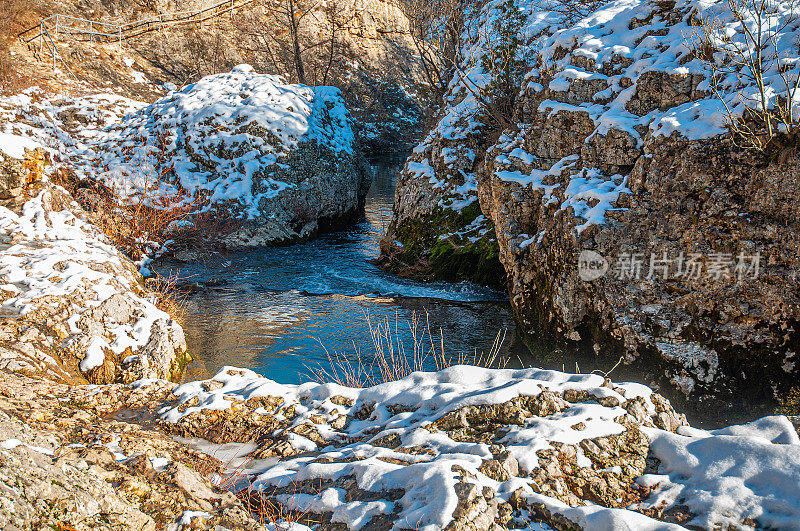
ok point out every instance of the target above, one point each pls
(618, 148)
(73, 306)
(280, 160)
(469, 448)
(260, 161)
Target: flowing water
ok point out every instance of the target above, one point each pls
(290, 312)
(285, 312)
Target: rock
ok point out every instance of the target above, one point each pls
(17, 175)
(292, 165)
(64, 474)
(467, 452)
(665, 196)
(80, 296)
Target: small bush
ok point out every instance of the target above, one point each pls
(169, 297)
(753, 71)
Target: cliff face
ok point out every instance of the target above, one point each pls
(624, 213)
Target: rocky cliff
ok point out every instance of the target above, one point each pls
(625, 215)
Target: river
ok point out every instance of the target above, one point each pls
(286, 312)
(313, 310)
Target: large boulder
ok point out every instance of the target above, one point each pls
(260, 160)
(619, 159)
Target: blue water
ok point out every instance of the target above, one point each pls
(285, 312)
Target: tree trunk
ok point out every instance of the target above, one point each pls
(297, 52)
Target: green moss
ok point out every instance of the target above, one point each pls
(180, 363)
(435, 248)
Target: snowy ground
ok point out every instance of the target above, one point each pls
(744, 476)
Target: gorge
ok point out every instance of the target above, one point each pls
(521, 266)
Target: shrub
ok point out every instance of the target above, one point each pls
(392, 359)
(504, 61)
(753, 63)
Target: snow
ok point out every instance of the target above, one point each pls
(139, 77)
(428, 480)
(628, 67)
(242, 123)
(727, 476)
(14, 146)
(591, 195)
(188, 516)
(95, 355)
(535, 178)
(10, 444)
(656, 46)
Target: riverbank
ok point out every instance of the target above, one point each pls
(500, 449)
(463, 449)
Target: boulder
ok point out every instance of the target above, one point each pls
(259, 160)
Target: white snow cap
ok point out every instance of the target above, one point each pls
(226, 134)
(243, 68)
(15, 145)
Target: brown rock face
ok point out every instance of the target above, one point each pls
(675, 250)
(730, 213)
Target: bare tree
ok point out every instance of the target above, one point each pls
(436, 29)
(300, 38)
(754, 65)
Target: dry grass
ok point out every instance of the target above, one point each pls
(265, 507)
(145, 212)
(392, 358)
(233, 474)
(169, 297)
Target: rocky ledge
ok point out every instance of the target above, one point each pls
(462, 449)
(73, 307)
(85, 458)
